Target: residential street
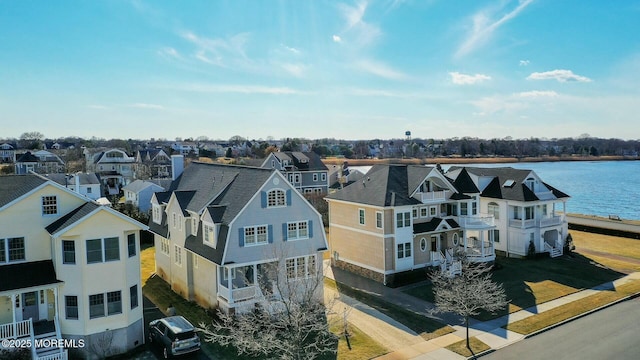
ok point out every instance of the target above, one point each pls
(608, 334)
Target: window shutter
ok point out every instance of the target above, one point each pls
(270, 234)
(263, 199)
(310, 228)
(289, 197)
(284, 231)
(241, 236)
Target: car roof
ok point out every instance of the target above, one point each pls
(177, 324)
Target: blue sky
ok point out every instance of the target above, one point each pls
(314, 69)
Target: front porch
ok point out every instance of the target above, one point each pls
(241, 287)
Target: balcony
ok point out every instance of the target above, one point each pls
(542, 223)
(476, 221)
(433, 197)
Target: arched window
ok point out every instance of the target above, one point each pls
(275, 197)
(454, 239)
(494, 209)
(423, 244)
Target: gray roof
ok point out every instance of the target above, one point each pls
(26, 275)
(85, 179)
(385, 185)
(303, 160)
(14, 186)
(138, 185)
(72, 217)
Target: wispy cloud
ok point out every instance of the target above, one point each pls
(294, 69)
(239, 89)
(362, 32)
(486, 23)
(524, 62)
(379, 69)
(219, 51)
(537, 94)
(464, 79)
(147, 106)
(559, 75)
(336, 38)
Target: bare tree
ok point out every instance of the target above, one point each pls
(291, 323)
(468, 293)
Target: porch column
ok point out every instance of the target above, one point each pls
(55, 302)
(230, 284)
(13, 312)
(522, 217)
(482, 243)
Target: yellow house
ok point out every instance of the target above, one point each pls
(69, 272)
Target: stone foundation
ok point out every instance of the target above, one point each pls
(369, 274)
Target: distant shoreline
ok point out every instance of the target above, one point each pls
(474, 160)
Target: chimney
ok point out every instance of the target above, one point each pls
(77, 184)
(177, 166)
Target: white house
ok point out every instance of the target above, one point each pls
(220, 227)
(86, 184)
(139, 193)
(70, 269)
(114, 167)
(525, 208)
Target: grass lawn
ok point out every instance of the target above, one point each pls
(461, 347)
(596, 246)
(362, 346)
(426, 327)
(564, 312)
(532, 282)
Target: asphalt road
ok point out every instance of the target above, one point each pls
(612, 333)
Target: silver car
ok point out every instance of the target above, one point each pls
(175, 334)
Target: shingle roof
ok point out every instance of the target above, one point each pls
(64, 179)
(138, 185)
(384, 185)
(73, 216)
(313, 160)
(464, 184)
(432, 225)
(15, 186)
(25, 275)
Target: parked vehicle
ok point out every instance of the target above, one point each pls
(175, 334)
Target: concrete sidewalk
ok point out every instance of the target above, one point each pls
(387, 331)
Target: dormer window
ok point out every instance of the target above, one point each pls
(157, 215)
(530, 182)
(208, 234)
(194, 225)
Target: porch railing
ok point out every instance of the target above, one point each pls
(434, 196)
(16, 330)
(63, 355)
(476, 221)
(543, 222)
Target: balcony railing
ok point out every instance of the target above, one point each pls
(543, 222)
(476, 221)
(434, 196)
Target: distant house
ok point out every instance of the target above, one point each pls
(86, 184)
(153, 164)
(399, 218)
(185, 149)
(304, 170)
(114, 167)
(41, 162)
(69, 269)
(220, 228)
(525, 208)
(139, 193)
(7, 153)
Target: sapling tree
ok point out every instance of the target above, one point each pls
(468, 293)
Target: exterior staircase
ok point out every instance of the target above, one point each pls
(554, 251)
(449, 265)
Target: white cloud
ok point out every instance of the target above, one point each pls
(537, 94)
(221, 52)
(147, 106)
(363, 32)
(239, 89)
(524, 62)
(485, 24)
(559, 75)
(296, 70)
(337, 38)
(379, 69)
(464, 79)
(169, 52)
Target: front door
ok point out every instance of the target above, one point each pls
(30, 306)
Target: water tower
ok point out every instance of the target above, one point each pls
(407, 134)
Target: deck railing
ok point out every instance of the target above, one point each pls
(16, 330)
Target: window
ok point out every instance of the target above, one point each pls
(403, 219)
(378, 220)
(12, 249)
(433, 211)
(545, 211)
(99, 250)
(516, 213)
(297, 230)
(177, 253)
(131, 244)
(71, 307)
(157, 216)
(164, 246)
(68, 252)
(423, 244)
(94, 251)
(494, 209)
(255, 235)
(112, 249)
(423, 212)
(361, 216)
(315, 177)
(276, 198)
(404, 250)
(49, 205)
(464, 209)
(528, 212)
(530, 183)
(208, 233)
(133, 296)
(297, 178)
(301, 267)
(474, 206)
(88, 190)
(454, 239)
(414, 213)
(323, 177)
(114, 303)
(496, 235)
(96, 306)
(194, 225)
